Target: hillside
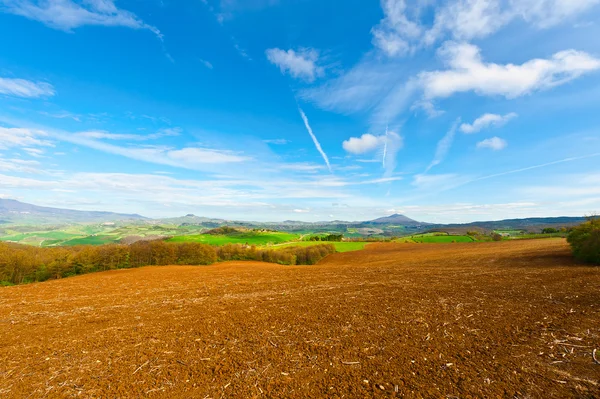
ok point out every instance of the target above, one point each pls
(16, 212)
(396, 219)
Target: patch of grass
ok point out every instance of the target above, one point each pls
(339, 246)
(251, 238)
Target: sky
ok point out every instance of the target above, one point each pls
(315, 110)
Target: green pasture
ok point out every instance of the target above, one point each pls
(250, 238)
(339, 246)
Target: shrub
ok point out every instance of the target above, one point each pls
(497, 237)
(585, 241)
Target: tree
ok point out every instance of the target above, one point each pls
(585, 240)
(549, 230)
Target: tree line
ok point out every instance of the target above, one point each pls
(23, 264)
(328, 237)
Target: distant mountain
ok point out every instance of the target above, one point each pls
(13, 212)
(396, 219)
(16, 212)
(529, 224)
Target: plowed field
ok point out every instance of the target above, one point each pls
(516, 319)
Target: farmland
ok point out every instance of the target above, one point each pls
(339, 246)
(496, 319)
(250, 238)
(436, 238)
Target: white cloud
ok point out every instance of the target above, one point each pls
(402, 31)
(19, 138)
(467, 72)
(394, 31)
(300, 64)
(26, 88)
(494, 143)
(363, 144)
(485, 121)
(468, 19)
(389, 144)
(67, 15)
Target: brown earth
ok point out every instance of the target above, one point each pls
(515, 319)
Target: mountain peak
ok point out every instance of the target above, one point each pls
(395, 218)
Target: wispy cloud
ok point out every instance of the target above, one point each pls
(314, 138)
(26, 88)
(494, 143)
(277, 141)
(300, 64)
(206, 64)
(21, 138)
(485, 121)
(443, 146)
(171, 132)
(67, 15)
(62, 115)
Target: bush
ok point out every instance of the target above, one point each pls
(497, 237)
(585, 241)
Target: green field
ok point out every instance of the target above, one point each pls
(250, 238)
(92, 240)
(339, 246)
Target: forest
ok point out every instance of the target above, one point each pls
(25, 264)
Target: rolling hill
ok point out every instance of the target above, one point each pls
(16, 212)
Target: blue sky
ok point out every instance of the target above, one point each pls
(446, 111)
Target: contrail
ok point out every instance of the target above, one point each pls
(314, 138)
(571, 159)
(385, 145)
(443, 146)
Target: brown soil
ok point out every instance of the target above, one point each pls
(484, 320)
